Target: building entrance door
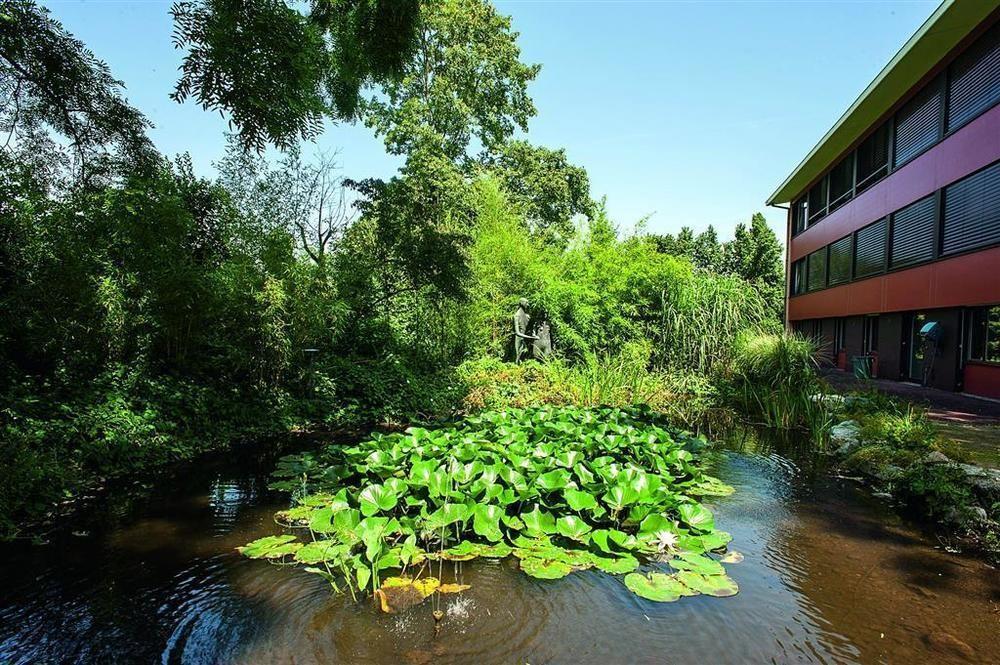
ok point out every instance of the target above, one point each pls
(914, 353)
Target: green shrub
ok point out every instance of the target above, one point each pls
(938, 491)
(874, 459)
(773, 380)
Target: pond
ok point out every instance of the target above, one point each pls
(830, 575)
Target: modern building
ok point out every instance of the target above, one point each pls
(894, 216)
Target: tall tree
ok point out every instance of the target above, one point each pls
(51, 83)
(280, 69)
(706, 252)
(544, 187)
(466, 81)
(755, 255)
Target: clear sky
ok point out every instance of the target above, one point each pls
(693, 112)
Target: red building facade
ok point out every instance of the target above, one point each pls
(894, 218)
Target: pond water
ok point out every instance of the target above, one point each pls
(829, 576)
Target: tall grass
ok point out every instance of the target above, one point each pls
(701, 319)
(773, 381)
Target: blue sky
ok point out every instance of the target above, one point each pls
(692, 112)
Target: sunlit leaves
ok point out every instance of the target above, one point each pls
(563, 490)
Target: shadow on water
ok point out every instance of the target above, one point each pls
(830, 575)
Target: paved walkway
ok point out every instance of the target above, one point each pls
(941, 404)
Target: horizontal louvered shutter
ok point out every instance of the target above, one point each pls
(972, 212)
(869, 256)
(840, 261)
(974, 83)
(913, 233)
(817, 269)
(918, 124)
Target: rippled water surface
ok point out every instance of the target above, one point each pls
(829, 576)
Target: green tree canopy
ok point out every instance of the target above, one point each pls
(279, 69)
(466, 81)
(544, 186)
(50, 82)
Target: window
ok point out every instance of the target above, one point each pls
(918, 124)
(972, 212)
(839, 335)
(798, 277)
(913, 233)
(870, 334)
(817, 270)
(841, 182)
(869, 251)
(974, 80)
(873, 158)
(984, 334)
(840, 260)
(800, 210)
(817, 200)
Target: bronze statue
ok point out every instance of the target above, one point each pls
(541, 347)
(521, 335)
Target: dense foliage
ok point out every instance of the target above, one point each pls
(561, 489)
(151, 314)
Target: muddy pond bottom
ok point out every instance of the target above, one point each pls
(829, 576)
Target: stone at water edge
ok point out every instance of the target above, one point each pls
(846, 436)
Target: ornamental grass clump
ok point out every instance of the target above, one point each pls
(562, 489)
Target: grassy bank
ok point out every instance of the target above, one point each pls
(897, 449)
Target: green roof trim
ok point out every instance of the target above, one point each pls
(950, 23)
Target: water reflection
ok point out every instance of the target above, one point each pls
(829, 576)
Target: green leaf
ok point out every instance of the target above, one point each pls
(446, 515)
(545, 569)
(698, 563)
(656, 586)
(321, 551)
(375, 498)
(720, 586)
(697, 516)
(553, 480)
(486, 522)
(538, 522)
(573, 528)
(620, 496)
(579, 500)
(616, 565)
(270, 547)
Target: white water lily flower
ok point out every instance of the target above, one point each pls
(665, 540)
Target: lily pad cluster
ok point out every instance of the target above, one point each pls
(561, 489)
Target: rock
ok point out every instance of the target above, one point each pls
(845, 436)
(983, 479)
(887, 473)
(935, 457)
(948, 644)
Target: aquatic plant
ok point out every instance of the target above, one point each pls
(562, 489)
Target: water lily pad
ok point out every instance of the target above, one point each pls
(376, 498)
(573, 527)
(697, 516)
(538, 522)
(579, 500)
(270, 547)
(320, 551)
(486, 522)
(545, 569)
(656, 586)
(616, 565)
(698, 563)
(464, 551)
(720, 586)
(453, 588)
